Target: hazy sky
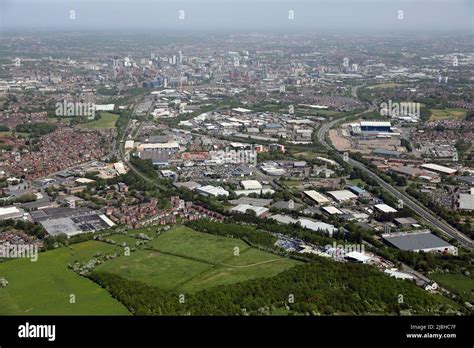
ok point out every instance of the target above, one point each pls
(375, 15)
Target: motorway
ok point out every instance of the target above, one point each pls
(410, 202)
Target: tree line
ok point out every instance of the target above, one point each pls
(322, 287)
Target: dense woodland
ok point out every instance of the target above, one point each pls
(322, 287)
(36, 129)
(246, 233)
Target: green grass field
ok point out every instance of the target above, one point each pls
(9, 134)
(188, 261)
(448, 114)
(308, 155)
(107, 120)
(292, 183)
(44, 287)
(456, 282)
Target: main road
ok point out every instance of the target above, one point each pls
(410, 202)
(128, 131)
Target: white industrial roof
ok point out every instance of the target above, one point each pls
(129, 144)
(241, 110)
(84, 180)
(342, 195)
(316, 196)
(332, 210)
(107, 220)
(213, 190)
(375, 123)
(120, 168)
(306, 223)
(105, 107)
(251, 185)
(466, 201)
(327, 160)
(438, 168)
(385, 208)
(358, 256)
(8, 210)
(317, 225)
(171, 144)
(242, 208)
(284, 219)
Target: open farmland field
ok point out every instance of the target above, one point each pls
(44, 287)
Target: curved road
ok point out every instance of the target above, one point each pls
(410, 202)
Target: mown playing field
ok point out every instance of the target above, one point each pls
(44, 287)
(107, 120)
(448, 114)
(189, 261)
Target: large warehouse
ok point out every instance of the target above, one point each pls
(317, 197)
(210, 190)
(342, 195)
(376, 126)
(12, 213)
(70, 222)
(439, 169)
(466, 201)
(416, 241)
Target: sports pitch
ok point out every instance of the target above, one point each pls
(188, 261)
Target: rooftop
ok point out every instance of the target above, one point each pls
(438, 168)
(342, 195)
(316, 196)
(415, 241)
(384, 208)
(243, 208)
(466, 201)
